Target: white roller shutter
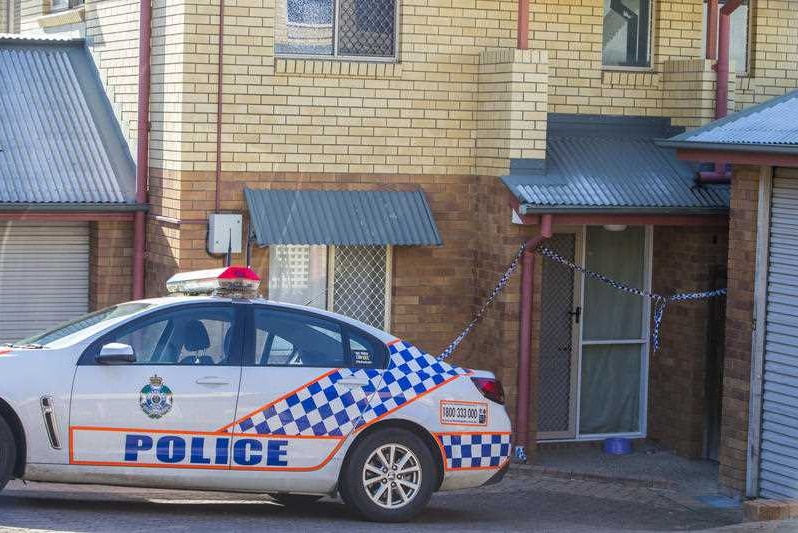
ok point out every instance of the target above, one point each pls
(779, 459)
(44, 276)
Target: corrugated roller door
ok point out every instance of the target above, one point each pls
(779, 463)
(44, 276)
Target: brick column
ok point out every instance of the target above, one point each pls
(110, 264)
(739, 328)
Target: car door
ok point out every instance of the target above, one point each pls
(305, 382)
(159, 414)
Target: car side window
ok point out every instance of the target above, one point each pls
(366, 352)
(289, 338)
(285, 338)
(193, 335)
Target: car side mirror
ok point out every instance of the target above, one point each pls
(116, 353)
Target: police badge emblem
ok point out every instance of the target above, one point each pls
(156, 398)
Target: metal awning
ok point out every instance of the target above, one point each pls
(61, 147)
(341, 217)
(612, 165)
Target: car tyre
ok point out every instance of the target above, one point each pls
(8, 453)
(389, 476)
(294, 500)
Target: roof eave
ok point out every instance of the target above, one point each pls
(101, 207)
(787, 149)
(537, 209)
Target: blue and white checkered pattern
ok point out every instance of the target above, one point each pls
(324, 408)
(478, 450)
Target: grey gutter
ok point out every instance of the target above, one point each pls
(71, 208)
(787, 149)
(534, 209)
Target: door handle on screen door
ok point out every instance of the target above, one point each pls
(212, 380)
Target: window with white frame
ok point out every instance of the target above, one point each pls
(336, 28)
(351, 280)
(626, 33)
(738, 39)
(62, 5)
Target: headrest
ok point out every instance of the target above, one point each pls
(195, 336)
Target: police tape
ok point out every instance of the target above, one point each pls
(660, 301)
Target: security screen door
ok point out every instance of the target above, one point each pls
(594, 338)
(559, 341)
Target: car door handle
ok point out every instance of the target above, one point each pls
(212, 380)
(354, 382)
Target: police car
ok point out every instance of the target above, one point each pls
(212, 388)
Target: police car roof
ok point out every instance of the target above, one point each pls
(174, 300)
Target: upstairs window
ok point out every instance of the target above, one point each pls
(336, 28)
(626, 33)
(63, 5)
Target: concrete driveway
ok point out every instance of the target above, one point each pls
(523, 502)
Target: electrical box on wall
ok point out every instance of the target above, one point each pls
(224, 233)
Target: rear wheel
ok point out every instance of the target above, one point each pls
(389, 476)
(8, 453)
(294, 500)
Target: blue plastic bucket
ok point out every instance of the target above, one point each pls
(617, 446)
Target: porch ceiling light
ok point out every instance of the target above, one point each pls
(615, 227)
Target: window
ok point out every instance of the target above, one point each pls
(289, 338)
(342, 28)
(738, 40)
(351, 280)
(627, 29)
(297, 339)
(86, 321)
(194, 335)
(62, 5)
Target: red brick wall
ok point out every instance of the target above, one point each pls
(739, 327)
(684, 258)
(494, 345)
(110, 265)
(432, 290)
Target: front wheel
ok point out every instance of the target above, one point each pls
(389, 476)
(8, 453)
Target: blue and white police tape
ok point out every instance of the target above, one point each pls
(660, 302)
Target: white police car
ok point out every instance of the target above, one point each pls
(243, 394)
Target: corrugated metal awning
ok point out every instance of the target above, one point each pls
(341, 217)
(771, 126)
(60, 143)
(612, 164)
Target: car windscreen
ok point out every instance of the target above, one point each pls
(60, 331)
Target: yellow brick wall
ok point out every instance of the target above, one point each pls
(572, 33)
(422, 115)
(30, 10)
(774, 53)
(512, 102)
(417, 116)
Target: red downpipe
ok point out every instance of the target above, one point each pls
(142, 147)
(522, 42)
(724, 31)
(719, 175)
(525, 340)
(712, 29)
(219, 96)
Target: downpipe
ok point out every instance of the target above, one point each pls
(142, 148)
(720, 175)
(525, 340)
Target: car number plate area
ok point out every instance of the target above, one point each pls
(463, 413)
